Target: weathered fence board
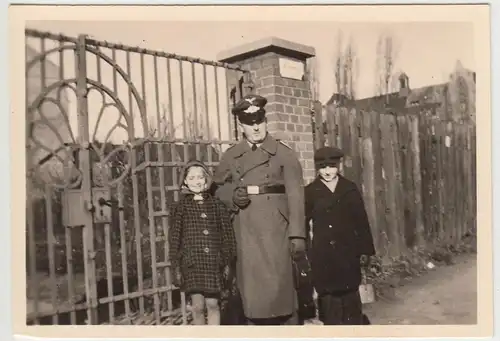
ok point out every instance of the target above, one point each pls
(389, 176)
(441, 178)
(407, 194)
(355, 169)
(416, 173)
(346, 141)
(417, 178)
(368, 180)
(380, 203)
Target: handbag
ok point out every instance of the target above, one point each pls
(231, 305)
(305, 290)
(366, 292)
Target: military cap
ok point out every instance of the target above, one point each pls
(250, 109)
(327, 156)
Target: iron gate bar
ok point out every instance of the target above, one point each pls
(217, 105)
(168, 140)
(175, 181)
(148, 164)
(123, 244)
(163, 204)
(50, 239)
(152, 234)
(109, 271)
(137, 223)
(83, 129)
(195, 104)
(207, 116)
(107, 228)
(144, 117)
(152, 229)
(184, 121)
(159, 130)
(69, 267)
(170, 108)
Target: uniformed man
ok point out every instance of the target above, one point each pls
(260, 179)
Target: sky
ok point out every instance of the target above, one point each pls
(426, 51)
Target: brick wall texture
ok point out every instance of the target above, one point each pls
(288, 108)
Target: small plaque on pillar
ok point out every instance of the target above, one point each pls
(290, 68)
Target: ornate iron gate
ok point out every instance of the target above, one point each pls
(93, 203)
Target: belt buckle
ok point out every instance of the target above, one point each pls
(253, 190)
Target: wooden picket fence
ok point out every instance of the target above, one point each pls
(417, 174)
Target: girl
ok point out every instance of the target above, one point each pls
(341, 240)
(202, 243)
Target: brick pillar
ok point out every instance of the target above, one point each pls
(274, 65)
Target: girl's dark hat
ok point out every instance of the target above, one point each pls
(250, 109)
(326, 156)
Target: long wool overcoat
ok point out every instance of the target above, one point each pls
(264, 265)
(202, 242)
(341, 234)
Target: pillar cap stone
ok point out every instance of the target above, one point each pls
(270, 44)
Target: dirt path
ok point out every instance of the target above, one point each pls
(444, 295)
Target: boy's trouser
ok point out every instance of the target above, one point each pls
(341, 308)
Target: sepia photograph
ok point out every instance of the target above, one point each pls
(254, 172)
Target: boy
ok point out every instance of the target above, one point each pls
(342, 240)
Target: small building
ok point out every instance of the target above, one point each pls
(454, 99)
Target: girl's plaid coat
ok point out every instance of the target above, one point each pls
(202, 242)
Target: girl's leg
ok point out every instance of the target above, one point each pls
(198, 309)
(213, 311)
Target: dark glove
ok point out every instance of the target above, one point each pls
(297, 247)
(364, 260)
(177, 277)
(225, 273)
(240, 197)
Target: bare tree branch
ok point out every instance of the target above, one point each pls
(385, 62)
(338, 63)
(346, 65)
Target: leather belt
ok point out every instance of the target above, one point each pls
(266, 189)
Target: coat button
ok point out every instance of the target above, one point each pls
(203, 215)
(332, 242)
(205, 232)
(330, 226)
(207, 250)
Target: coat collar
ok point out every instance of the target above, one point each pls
(188, 195)
(330, 199)
(270, 145)
(343, 186)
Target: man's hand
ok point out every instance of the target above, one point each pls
(297, 247)
(177, 277)
(364, 260)
(240, 197)
(225, 272)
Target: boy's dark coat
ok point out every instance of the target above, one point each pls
(341, 234)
